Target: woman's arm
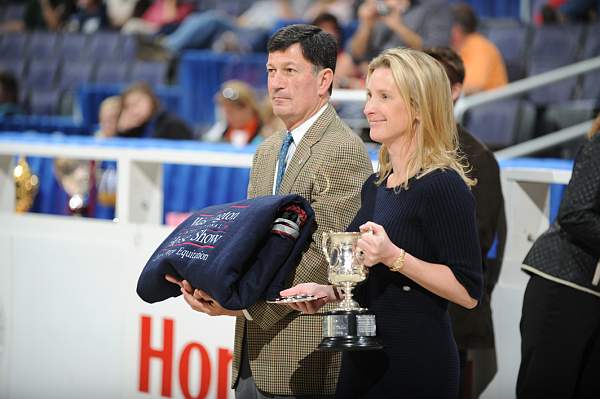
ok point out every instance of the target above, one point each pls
(437, 278)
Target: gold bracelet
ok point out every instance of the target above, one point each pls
(399, 262)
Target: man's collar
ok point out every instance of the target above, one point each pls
(300, 131)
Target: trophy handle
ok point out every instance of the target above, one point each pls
(325, 243)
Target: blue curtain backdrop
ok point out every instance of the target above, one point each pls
(494, 8)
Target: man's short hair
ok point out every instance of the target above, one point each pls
(452, 63)
(318, 47)
(465, 17)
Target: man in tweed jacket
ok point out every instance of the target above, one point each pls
(275, 349)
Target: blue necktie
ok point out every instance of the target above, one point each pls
(285, 146)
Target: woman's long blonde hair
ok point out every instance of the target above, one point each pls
(424, 87)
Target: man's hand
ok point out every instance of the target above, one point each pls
(394, 18)
(200, 301)
(323, 293)
(367, 13)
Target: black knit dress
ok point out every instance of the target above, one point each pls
(433, 220)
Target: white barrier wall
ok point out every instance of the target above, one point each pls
(527, 202)
(72, 326)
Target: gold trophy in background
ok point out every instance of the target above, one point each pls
(74, 176)
(26, 185)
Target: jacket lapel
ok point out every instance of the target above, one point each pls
(303, 150)
(267, 165)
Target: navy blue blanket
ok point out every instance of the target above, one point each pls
(238, 252)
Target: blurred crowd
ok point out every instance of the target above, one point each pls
(166, 28)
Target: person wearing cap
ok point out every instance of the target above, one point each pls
(241, 116)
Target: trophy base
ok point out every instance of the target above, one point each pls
(340, 344)
(349, 330)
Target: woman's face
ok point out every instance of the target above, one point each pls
(385, 109)
(236, 115)
(137, 110)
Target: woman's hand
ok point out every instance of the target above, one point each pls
(324, 293)
(375, 245)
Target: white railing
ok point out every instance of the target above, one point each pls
(139, 181)
(525, 85)
(527, 202)
(544, 142)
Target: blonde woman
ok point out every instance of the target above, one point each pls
(423, 250)
(560, 323)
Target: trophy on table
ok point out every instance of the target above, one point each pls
(74, 176)
(348, 327)
(26, 185)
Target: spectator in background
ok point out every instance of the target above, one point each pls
(548, 13)
(42, 15)
(89, 17)
(120, 11)
(9, 94)
(474, 329)
(577, 11)
(560, 323)
(271, 122)
(400, 23)
(110, 110)
(343, 10)
(213, 29)
(143, 116)
(241, 118)
(347, 75)
(162, 16)
(484, 66)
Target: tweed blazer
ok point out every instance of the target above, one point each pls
(328, 168)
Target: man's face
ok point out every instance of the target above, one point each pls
(295, 89)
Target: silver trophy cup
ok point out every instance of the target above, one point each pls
(348, 327)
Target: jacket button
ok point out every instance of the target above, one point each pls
(405, 288)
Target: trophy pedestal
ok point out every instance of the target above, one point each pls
(349, 330)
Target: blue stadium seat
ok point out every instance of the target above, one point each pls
(103, 45)
(494, 124)
(44, 102)
(128, 47)
(13, 12)
(41, 74)
(590, 88)
(554, 47)
(14, 65)
(110, 71)
(74, 73)
(512, 43)
(202, 72)
(73, 46)
(13, 45)
(552, 93)
(155, 73)
(556, 41)
(42, 44)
